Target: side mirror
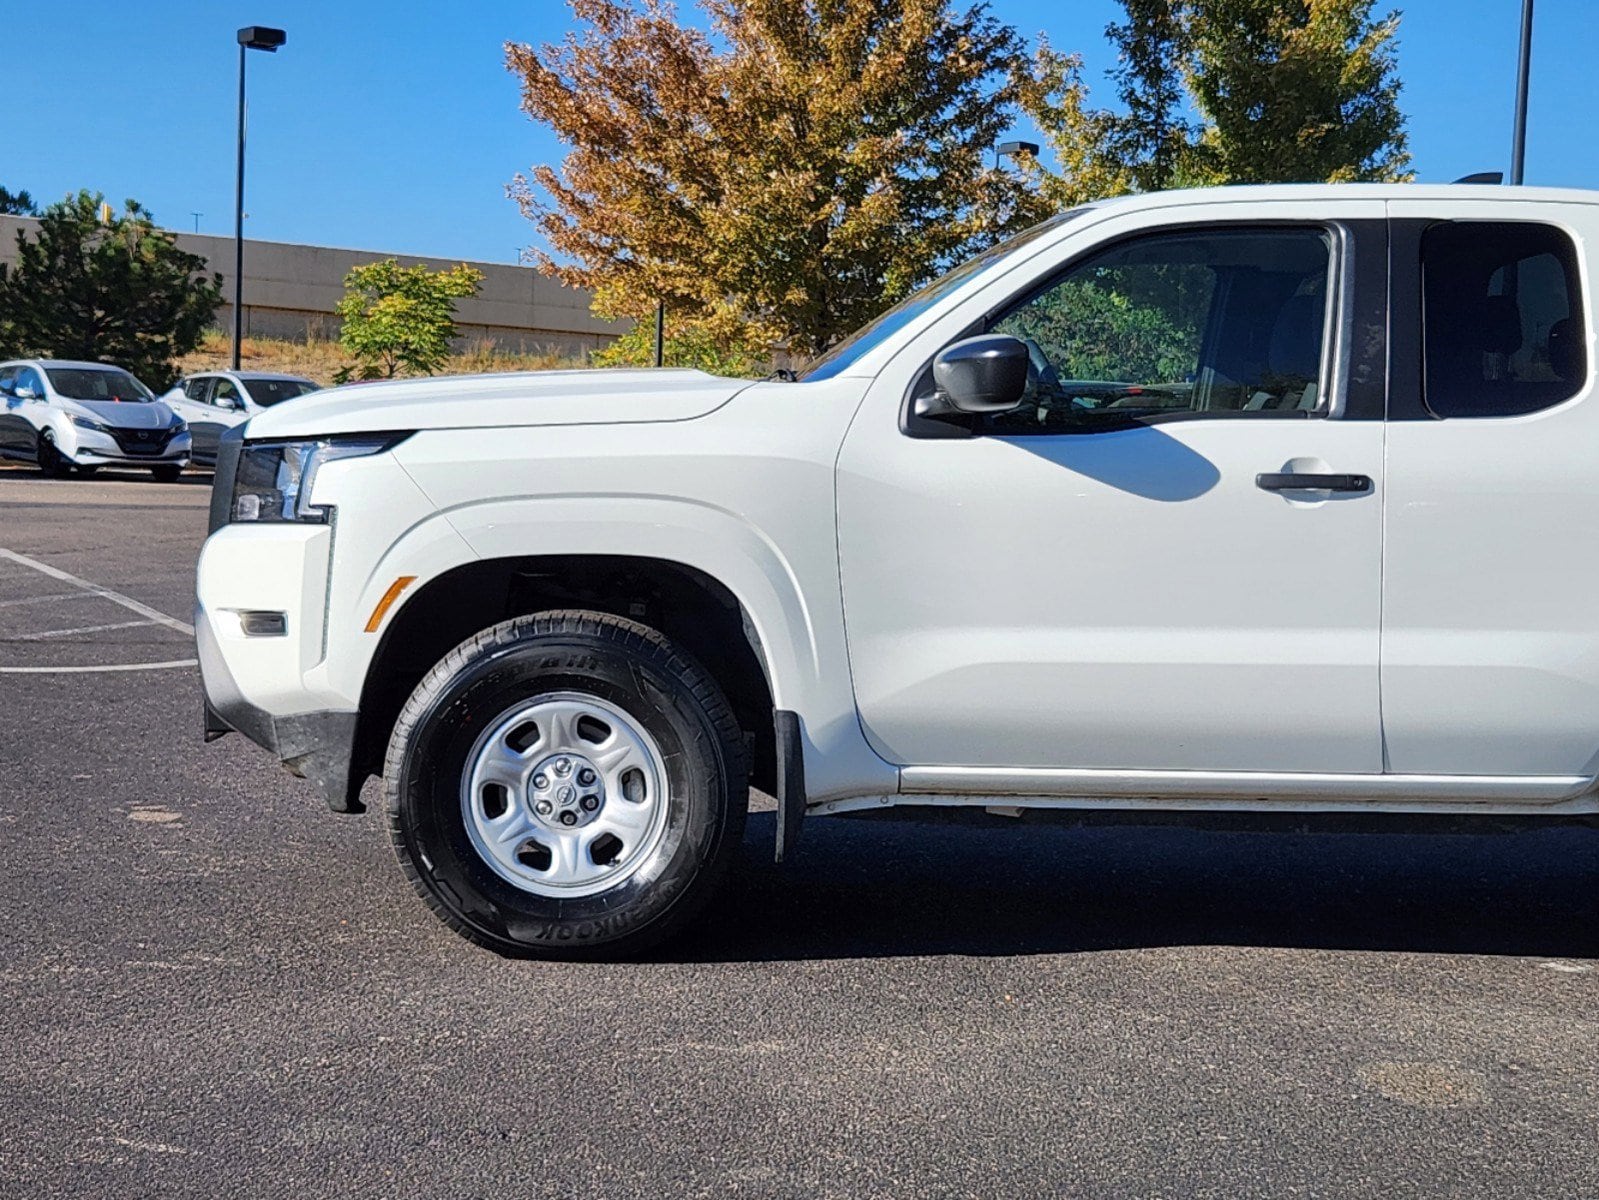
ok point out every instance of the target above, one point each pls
(979, 375)
(25, 393)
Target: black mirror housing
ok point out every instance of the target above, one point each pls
(980, 375)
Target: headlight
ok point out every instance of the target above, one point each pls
(179, 425)
(274, 479)
(89, 423)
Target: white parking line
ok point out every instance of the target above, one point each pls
(43, 599)
(160, 666)
(85, 588)
(56, 633)
(128, 602)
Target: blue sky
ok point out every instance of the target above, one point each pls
(394, 126)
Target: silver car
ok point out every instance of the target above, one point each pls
(82, 416)
(213, 402)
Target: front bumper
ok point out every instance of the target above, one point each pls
(126, 448)
(294, 682)
(319, 747)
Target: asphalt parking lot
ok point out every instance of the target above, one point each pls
(211, 986)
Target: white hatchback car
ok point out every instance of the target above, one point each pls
(213, 402)
(84, 415)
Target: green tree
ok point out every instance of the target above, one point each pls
(779, 178)
(117, 291)
(400, 320)
(1307, 91)
(689, 343)
(1099, 329)
(1226, 91)
(16, 204)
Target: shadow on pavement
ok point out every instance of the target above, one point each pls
(873, 888)
(21, 472)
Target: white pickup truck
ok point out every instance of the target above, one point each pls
(1267, 499)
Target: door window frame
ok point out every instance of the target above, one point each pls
(1353, 373)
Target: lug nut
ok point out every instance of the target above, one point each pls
(563, 766)
(569, 818)
(541, 781)
(542, 808)
(586, 776)
(590, 803)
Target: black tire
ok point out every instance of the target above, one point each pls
(166, 473)
(50, 460)
(624, 664)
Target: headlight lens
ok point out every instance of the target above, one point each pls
(179, 425)
(89, 423)
(274, 480)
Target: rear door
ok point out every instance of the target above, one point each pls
(1490, 654)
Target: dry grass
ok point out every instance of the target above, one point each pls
(319, 360)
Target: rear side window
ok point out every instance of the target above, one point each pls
(1502, 318)
(267, 392)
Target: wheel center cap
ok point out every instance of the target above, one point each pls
(565, 791)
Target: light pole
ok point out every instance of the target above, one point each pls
(251, 37)
(1518, 149)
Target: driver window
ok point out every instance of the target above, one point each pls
(1226, 323)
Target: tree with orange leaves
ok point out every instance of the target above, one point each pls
(778, 177)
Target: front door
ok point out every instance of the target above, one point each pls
(13, 425)
(1169, 557)
(205, 418)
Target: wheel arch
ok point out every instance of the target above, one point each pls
(687, 604)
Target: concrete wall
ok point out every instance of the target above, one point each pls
(290, 291)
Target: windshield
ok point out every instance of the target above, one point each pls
(97, 383)
(871, 335)
(267, 392)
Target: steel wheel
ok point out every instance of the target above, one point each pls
(564, 795)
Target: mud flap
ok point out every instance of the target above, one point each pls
(790, 782)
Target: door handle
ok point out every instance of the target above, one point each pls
(1308, 482)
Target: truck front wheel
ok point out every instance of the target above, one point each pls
(566, 785)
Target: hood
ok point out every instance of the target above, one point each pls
(591, 397)
(131, 415)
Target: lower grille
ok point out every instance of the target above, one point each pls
(142, 441)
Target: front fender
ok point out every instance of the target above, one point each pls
(793, 606)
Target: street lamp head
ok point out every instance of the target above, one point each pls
(260, 37)
(1016, 148)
